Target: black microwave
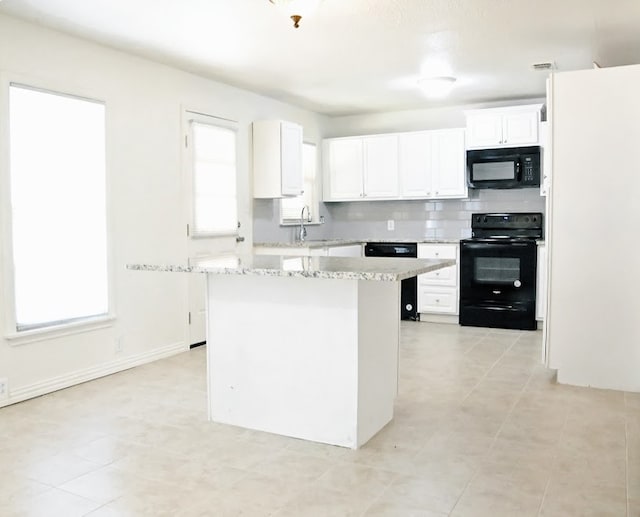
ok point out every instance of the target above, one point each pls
(509, 167)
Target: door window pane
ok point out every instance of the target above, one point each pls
(214, 180)
(58, 207)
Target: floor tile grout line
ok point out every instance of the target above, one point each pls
(553, 462)
(626, 457)
(485, 373)
(495, 438)
(382, 492)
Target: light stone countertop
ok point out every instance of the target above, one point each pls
(329, 243)
(341, 268)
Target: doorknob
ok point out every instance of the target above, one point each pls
(239, 239)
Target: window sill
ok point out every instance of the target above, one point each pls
(54, 332)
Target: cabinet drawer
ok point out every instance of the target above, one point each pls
(446, 276)
(441, 300)
(437, 251)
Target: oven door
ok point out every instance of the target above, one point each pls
(498, 283)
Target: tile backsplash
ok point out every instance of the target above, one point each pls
(419, 219)
(441, 219)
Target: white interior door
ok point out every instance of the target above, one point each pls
(215, 198)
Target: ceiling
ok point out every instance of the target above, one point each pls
(359, 56)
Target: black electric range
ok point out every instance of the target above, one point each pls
(498, 271)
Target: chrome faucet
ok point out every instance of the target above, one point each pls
(302, 233)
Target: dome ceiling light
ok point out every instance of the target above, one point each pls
(437, 87)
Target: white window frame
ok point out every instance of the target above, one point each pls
(191, 118)
(310, 188)
(54, 330)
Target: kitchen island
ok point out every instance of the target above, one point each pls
(305, 347)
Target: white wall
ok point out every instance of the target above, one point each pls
(411, 120)
(147, 217)
(594, 306)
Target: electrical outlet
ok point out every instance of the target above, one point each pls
(118, 346)
(4, 388)
(391, 225)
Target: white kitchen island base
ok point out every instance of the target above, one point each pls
(310, 358)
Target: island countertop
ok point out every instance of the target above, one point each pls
(329, 243)
(341, 268)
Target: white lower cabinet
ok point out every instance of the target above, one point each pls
(349, 250)
(438, 290)
(440, 300)
(282, 250)
(352, 250)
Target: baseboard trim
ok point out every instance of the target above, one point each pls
(439, 318)
(66, 381)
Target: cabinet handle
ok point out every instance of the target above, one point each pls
(437, 300)
(436, 193)
(437, 253)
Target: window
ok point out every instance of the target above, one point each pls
(214, 180)
(58, 207)
(291, 207)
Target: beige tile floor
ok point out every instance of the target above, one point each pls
(480, 429)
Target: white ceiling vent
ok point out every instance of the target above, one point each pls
(548, 65)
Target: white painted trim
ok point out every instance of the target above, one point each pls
(66, 329)
(89, 374)
(439, 318)
(61, 86)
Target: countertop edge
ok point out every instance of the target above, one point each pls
(421, 266)
(329, 243)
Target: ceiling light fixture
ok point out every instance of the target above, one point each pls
(436, 87)
(297, 9)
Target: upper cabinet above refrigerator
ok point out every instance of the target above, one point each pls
(513, 126)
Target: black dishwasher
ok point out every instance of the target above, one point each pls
(409, 289)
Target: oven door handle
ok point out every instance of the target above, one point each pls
(487, 245)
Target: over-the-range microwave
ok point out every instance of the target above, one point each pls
(509, 167)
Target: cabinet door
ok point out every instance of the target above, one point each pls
(414, 151)
(291, 156)
(438, 300)
(352, 250)
(448, 164)
(381, 166)
(345, 168)
(484, 130)
(447, 276)
(520, 128)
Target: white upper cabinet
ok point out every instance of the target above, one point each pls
(448, 164)
(361, 167)
(381, 166)
(503, 127)
(432, 164)
(277, 159)
(415, 164)
(344, 168)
